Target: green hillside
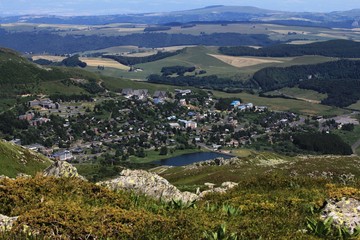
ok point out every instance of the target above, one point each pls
(15, 159)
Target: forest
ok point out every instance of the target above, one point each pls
(339, 79)
(322, 143)
(332, 48)
(208, 82)
(55, 44)
(129, 61)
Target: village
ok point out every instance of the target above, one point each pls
(137, 123)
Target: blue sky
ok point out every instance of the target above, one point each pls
(91, 7)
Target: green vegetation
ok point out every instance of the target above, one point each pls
(333, 48)
(350, 137)
(298, 93)
(270, 206)
(341, 79)
(322, 143)
(138, 60)
(15, 159)
(281, 104)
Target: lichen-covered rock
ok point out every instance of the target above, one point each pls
(214, 162)
(149, 184)
(345, 213)
(62, 169)
(6, 222)
(225, 186)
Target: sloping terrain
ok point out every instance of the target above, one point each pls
(15, 159)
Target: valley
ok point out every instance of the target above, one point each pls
(223, 122)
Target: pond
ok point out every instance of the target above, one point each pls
(190, 158)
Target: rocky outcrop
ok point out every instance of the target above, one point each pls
(215, 162)
(345, 213)
(149, 184)
(62, 169)
(225, 186)
(6, 222)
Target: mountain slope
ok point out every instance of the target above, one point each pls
(15, 159)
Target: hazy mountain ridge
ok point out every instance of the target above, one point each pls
(211, 13)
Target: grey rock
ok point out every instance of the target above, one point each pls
(345, 213)
(149, 184)
(225, 186)
(6, 222)
(62, 169)
(215, 162)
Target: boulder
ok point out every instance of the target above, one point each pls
(62, 169)
(225, 186)
(149, 184)
(6, 222)
(214, 162)
(345, 213)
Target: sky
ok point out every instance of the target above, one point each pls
(102, 7)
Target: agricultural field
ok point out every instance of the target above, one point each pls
(301, 94)
(107, 63)
(281, 104)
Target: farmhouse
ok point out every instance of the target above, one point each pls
(63, 156)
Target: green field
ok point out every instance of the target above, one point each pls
(201, 59)
(350, 137)
(56, 87)
(281, 104)
(15, 159)
(302, 94)
(355, 106)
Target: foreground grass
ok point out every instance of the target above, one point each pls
(270, 206)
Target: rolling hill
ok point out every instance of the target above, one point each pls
(346, 19)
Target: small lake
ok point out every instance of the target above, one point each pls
(190, 158)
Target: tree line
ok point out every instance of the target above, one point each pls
(332, 48)
(55, 44)
(129, 61)
(339, 79)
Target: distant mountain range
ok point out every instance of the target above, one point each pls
(346, 19)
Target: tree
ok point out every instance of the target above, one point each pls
(163, 150)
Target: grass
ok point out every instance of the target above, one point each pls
(15, 159)
(350, 137)
(355, 106)
(193, 56)
(57, 87)
(302, 94)
(281, 104)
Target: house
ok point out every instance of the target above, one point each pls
(249, 105)
(141, 93)
(191, 124)
(35, 147)
(27, 117)
(260, 108)
(235, 103)
(63, 155)
(182, 102)
(174, 125)
(182, 92)
(242, 107)
(34, 103)
(127, 92)
(160, 94)
(158, 100)
(39, 121)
